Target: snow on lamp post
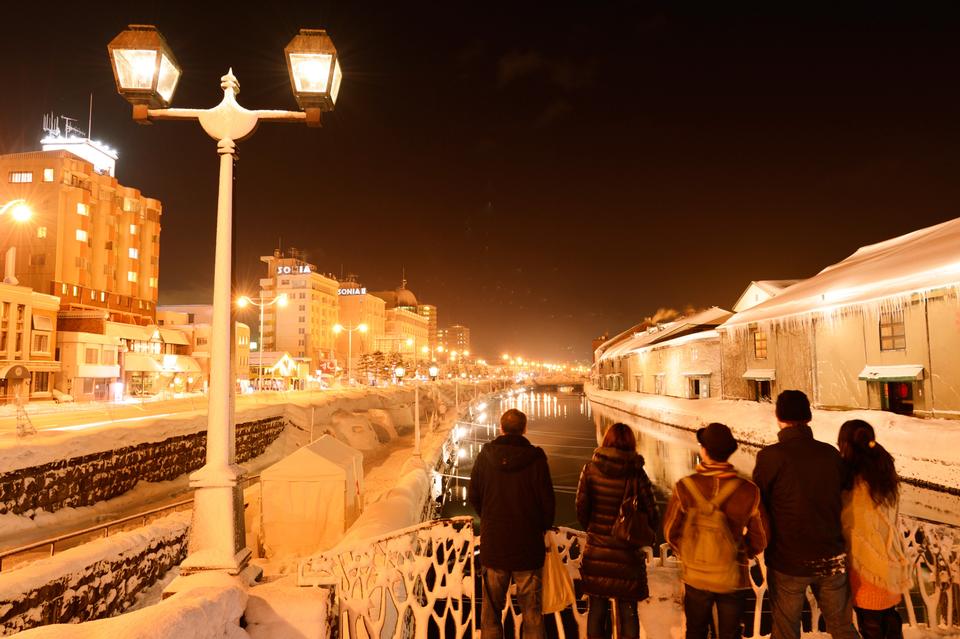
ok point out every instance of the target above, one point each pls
(146, 74)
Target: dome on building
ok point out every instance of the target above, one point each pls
(405, 297)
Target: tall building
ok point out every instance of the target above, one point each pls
(28, 337)
(430, 312)
(92, 242)
(304, 327)
(358, 306)
(456, 338)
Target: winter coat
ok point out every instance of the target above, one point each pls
(611, 567)
(876, 556)
(743, 509)
(800, 481)
(511, 490)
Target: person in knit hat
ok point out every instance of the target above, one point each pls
(748, 528)
(800, 480)
(876, 557)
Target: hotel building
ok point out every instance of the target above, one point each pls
(92, 242)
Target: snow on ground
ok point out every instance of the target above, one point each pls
(283, 610)
(926, 451)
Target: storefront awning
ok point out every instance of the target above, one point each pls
(901, 373)
(762, 374)
(702, 373)
(172, 336)
(180, 364)
(131, 332)
(140, 363)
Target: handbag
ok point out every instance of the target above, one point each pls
(632, 524)
(557, 585)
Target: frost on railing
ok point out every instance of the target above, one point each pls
(402, 584)
(423, 577)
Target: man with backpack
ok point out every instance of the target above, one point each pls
(715, 523)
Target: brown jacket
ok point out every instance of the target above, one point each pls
(744, 510)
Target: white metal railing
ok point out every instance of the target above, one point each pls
(402, 584)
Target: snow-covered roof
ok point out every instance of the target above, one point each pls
(920, 261)
(324, 458)
(759, 291)
(661, 333)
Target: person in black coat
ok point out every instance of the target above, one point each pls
(511, 490)
(800, 481)
(612, 568)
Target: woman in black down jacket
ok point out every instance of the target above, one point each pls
(612, 568)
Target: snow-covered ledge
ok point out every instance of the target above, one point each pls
(204, 612)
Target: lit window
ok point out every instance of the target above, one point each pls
(893, 334)
(153, 282)
(48, 175)
(133, 229)
(133, 253)
(82, 209)
(21, 177)
(81, 235)
(131, 276)
(760, 345)
(41, 232)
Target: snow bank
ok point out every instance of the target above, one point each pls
(397, 508)
(283, 610)
(355, 430)
(207, 612)
(927, 451)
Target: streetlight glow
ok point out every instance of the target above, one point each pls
(243, 301)
(282, 300)
(337, 329)
(362, 328)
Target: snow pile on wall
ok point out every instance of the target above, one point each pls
(355, 429)
(208, 612)
(93, 580)
(382, 422)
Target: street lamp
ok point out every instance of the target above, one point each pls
(146, 74)
(399, 372)
(18, 209)
(434, 371)
(261, 303)
(337, 329)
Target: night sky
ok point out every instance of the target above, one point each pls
(542, 173)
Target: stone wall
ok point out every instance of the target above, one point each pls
(86, 480)
(94, 580)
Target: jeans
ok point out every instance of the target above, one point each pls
(698, 609)
(787, 594)
(626, 616)
(879, 624)
(496, 582)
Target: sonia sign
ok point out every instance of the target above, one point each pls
(352, 291)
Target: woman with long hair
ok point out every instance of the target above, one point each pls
(612, 568)
(877, 562)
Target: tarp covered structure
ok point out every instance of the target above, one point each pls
(310, 497)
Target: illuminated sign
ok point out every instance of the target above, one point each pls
(303, 269)
(352, 291)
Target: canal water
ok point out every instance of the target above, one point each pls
(568, 427)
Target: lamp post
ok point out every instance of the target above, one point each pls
(261, 303)
(337, 329)
(20, 212)
(146, 74)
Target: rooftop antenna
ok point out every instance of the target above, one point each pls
(90, 118)
(51, 124)
(403, 277)
(70, 129)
